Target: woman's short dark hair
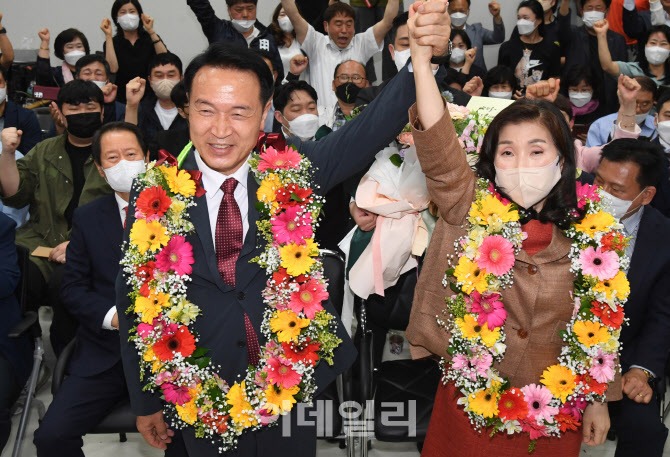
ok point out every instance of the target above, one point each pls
(575, 75)
(499, 75)
(230, 57)
(647, 155)
(284, 93)
(642, 44)
(96, 150)
(67, 36)
(88, 60)
(538, 11)
(79, 91)
(115, 11)
(464, 36)
(277, 32)
(560, 206)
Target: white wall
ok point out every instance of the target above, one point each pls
(174, 21)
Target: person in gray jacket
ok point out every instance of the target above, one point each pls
(459, 10)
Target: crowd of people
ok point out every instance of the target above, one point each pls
(586, 83)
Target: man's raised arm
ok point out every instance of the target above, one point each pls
(382, 27)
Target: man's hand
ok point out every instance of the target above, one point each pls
(58, 253)
(431, 26)
(627, 90)
(57, 117)
(154, 430)
(544, 90)
(11, 138)
(148, 23)
(365, 220)
(601, 28)
(298, 64)
(595, 424)
(494, 9)
(44, 35)
(135, 91)
(115, 321)
(106, 27)
(636, 386)
(109, 91)
(474, 87)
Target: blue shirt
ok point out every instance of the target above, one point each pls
(600, 132)
(20, 216)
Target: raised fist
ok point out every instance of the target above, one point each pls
(11, 138)
(44, 35)
(298, 64)
(106, 27)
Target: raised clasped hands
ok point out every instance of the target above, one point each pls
(429, 30)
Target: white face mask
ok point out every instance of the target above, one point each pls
(617, 207)
(3, 94)
(528, 186)
(73, 57)
(640, 118)
(458, 19)
(243, 25)
(304, 126)
(457, 55)
(100, 84)
(285, 24)
(525, 27)
(546, 4)
(129, 21)
(120, 176)
(591, 17)
(400, 58)
(503, 95)
(163, 87)
(656, 55)
(580, 99)
(664, 131)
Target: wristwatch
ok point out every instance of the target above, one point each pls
(3, 30)
(650, 376)
(443, 60)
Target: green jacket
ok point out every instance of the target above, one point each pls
(46, 186)
(373, 3)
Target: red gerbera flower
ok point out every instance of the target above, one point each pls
(612, 319)
(216, 421)
(153, 201)
(306, 353)
(280, 276)
(181, 342)
(591, 384)
(613, 241)
(566, 422)
(512, 405)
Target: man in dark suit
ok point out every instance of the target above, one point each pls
(628, 171)
(224, 126)
(96, 381)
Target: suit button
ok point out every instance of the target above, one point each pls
(532, 269)
(241, 343)
(240, 296)
(522, 334)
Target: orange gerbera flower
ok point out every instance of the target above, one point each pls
(612, 319)
(153, 201)
(591, 384)
(181, 342)
(567, 422)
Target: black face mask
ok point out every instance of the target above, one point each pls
(347, 92)
(83, 125)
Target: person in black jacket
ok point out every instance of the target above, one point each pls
(13, 115)
(70, 46)
(243, 28)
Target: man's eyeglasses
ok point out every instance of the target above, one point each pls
(354, 78)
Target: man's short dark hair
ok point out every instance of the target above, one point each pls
(582, 2)
(88, 60)
(663, 98)
(235, 2)
(398, 21)
(648, 85)
(166, 58)
(178, 95)
(96, 150)
(365, 75)
(649, 156)
(284, 93)
(67, 36)
(230, 57)
(264, 54)
(564, 105)
(338, 8)
(77, 92)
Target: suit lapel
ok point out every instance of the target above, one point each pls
(111, 225)
(643, 251)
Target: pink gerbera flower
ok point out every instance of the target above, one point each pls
(574, 408)
(308, 298)
(176, 256)
(586, 192)
(534, 429)
(284, 160)
(538, 398)
(177, 395)
(491, 188)
(489, 308)
(602, 367)
(291, 226)
(281, 373)
(496, 255)
(603, 265)
(481, 363)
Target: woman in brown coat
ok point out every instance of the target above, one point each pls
(528, 152)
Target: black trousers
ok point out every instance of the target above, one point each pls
(639, 429)
(79, 405)
(9, 392)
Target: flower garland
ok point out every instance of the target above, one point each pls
(157, 264)
(477, 316)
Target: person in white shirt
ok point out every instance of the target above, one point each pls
(348, 79)
(339, 45)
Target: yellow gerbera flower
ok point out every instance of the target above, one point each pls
(149, 356)
(180, 181)
(559, 380)
(471, 330)
(491, 206)
(287, 325)
(266, 191)
(240, 408)
(149, 307)
(484, 403)
(148, 235)
(189, 412)
(592, 223)
(468, 273)
(280, 400)
(590, 333)
(618, 283)
(297, 258)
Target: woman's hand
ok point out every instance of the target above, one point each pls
(627, 90)
(148, 23)
(544, 90)
(44, 35)
(106, 27)
(596, 423)
(470, 55)
(474, 87)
